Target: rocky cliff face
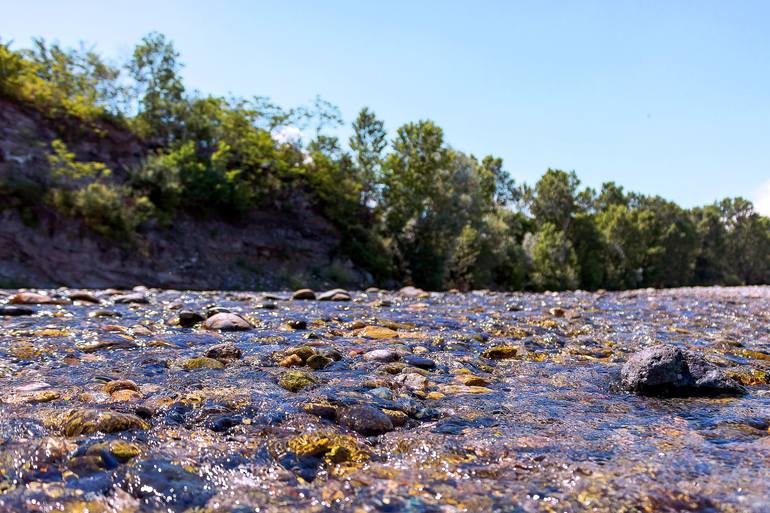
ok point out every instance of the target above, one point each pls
(267, 248)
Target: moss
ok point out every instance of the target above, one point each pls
(304, 352)
(750, 377)
(120, 449)
(332, 447)
(294, 381)
(202, 362)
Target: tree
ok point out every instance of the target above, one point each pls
(554, 198)
(552, 260)
(711, 265)
(748, 241)
(367, 143)
(156, 71)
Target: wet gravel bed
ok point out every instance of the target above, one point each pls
(400, 401)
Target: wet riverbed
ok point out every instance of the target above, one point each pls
(417, 402)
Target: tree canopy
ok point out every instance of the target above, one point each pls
(411, 209)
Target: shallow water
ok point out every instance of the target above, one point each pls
(549, 431)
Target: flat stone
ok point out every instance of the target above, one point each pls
(412, 381)
(15, 311)
(382, 355)
(227, 322)
(86, 297)
(377, 332)
(303, 294)
(133, 298)
(334, 295)
(419, 361)
(33, 298)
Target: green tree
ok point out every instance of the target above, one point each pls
(367, 144)
(155, 68)
(552, 259)
(554, 199)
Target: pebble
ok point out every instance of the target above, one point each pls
(419, 361)
(318, 362)
(83, 296)
(86, 421)
(500, 352)
(33, 298)
(225, 351)
(188, 319)
(133, 298)
(296, 324)
(377, 332)
(335, 295)
(381, 355)
(15, 311)
(303, 294)
(225, 321)
(164, 486)
(120, 384)
(294, 381)
(202, 362)
(364, 419)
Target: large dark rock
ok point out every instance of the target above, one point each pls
(673, 372)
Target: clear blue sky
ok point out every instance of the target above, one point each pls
(666, 97)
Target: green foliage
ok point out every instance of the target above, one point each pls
(60, 83)
(155, 70)
(367, 144)
(552, 259)
(414, 210)
(81, 191)
(554, 198)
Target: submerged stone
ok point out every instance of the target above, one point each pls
(364, 419)
(500, 352)
(294, 381)
(226, 351)
(86, 421)
(202, 362)
(166, 486)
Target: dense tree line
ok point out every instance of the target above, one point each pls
(412, 209)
